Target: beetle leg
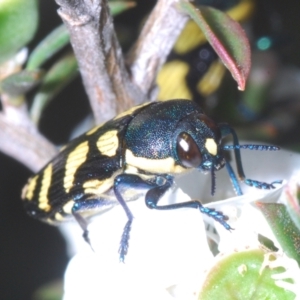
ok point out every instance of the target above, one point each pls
(89, 203)
(234, 180)
(123, 181)
(83, 224)
(154, 195)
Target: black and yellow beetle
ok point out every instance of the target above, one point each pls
(141, 149)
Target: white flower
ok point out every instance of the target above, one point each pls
(168, 250)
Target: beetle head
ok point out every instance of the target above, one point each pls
(198, 143)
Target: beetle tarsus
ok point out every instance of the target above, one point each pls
(124, 241)
(216, 215)
(262, 185)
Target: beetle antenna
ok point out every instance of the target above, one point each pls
(213, 181)
(226, 130)
(251, 147)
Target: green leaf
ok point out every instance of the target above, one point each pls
(117, 7)
(18, 24)
(49, 46)
(286, 232)
(20, 83)
(227, 38)
(242, 276)
(56, 78)
(59, 38)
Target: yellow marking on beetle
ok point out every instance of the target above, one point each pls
(108, 143)
(67, 208)
(29, 188)
(211, 146)
(131, 170)
(171, 80)
(135, 171)
(51, 222)
(75, 159)
(165, 165)
(93, 130)
(59, 217)
(130, 111)
(97, 187)
(45, 184)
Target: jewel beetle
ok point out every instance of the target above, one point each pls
(140, 149)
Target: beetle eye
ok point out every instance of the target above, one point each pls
(188, 151)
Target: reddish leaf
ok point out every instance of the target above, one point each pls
(292, 199)
(226, 37)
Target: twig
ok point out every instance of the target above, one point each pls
(99, 57)
(108, 85)
(21, 140)
(154, 44)
(34, 151)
